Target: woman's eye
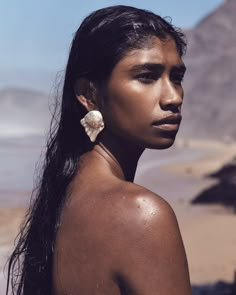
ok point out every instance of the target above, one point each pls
(178, 79)
(147, 77)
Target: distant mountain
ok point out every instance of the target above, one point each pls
(23, 112)
(210, 88)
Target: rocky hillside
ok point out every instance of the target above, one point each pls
(23, 112)
(210, 101)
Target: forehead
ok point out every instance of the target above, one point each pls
(156, 51)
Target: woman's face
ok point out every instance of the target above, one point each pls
(144, 94)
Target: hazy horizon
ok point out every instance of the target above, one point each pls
(36, 36)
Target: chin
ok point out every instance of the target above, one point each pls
(162, 143)
(160, 146)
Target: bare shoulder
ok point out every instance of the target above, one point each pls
(133, 234)
(144, 208)
(151, 257)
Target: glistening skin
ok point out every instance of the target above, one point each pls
(144, 95)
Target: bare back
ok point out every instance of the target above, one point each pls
(116, 237)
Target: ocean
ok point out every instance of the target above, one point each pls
(21, 157)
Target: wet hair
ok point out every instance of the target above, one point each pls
(103, 38)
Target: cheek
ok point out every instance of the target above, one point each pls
(123, 118)
(131, 101)
(126, 112)
(131, 107)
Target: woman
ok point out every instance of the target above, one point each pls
(91, 230)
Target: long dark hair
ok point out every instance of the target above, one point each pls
(103, 38)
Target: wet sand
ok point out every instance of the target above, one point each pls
(208, 231)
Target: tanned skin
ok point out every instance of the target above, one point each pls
(116, 237)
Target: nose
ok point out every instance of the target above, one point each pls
(172, 97)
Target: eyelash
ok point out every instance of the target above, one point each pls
(178, 79)
(147, 78)
(150, 77)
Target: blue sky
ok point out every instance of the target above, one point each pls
(35, 35)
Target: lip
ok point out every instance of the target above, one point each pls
(167, 127)
(169, 123)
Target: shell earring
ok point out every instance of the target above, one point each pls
(93, 124)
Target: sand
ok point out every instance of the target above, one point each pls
(217, 154)
(10, 220)
(208, 232)
(210, 242)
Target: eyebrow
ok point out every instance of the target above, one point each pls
(180, 67)
(156, 67)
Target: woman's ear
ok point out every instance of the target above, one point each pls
(85, 93)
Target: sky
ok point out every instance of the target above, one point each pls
(35, 35)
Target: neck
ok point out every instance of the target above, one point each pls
(122, 156)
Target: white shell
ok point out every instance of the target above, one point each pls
(93, 124)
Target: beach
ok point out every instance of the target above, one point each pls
(208, 231)
(178, 175)
(10, 220)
